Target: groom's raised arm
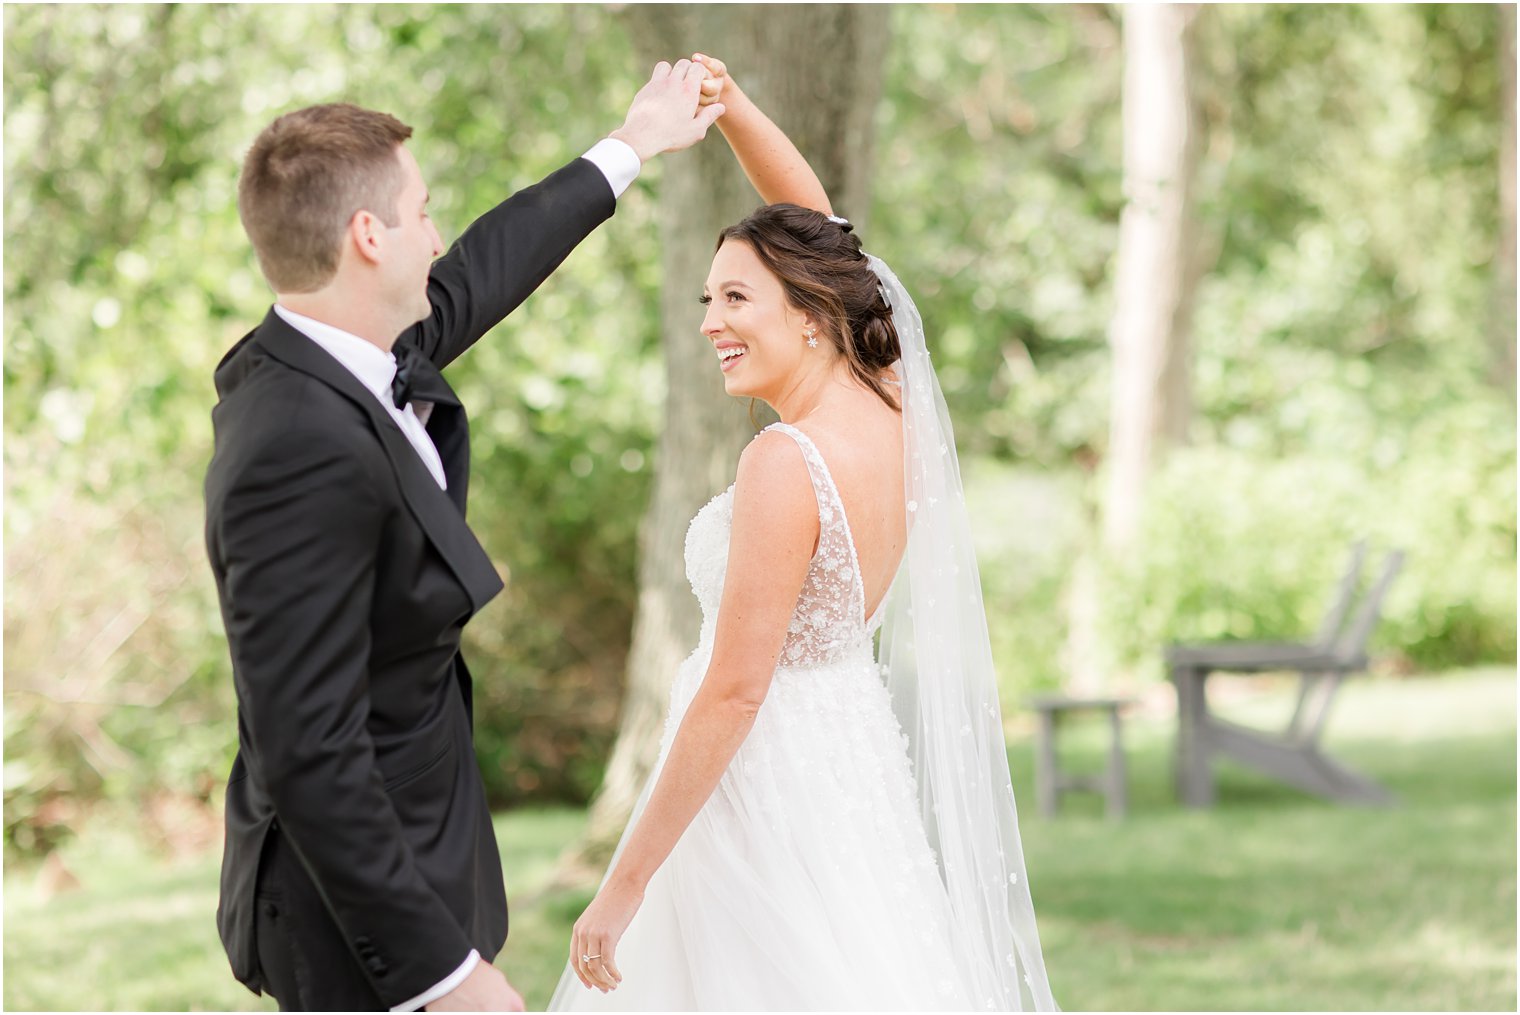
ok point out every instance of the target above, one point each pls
(508, 252)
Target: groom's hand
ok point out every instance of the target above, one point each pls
(664, 116)
(485, 989)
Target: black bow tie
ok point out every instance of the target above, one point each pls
(407, 359)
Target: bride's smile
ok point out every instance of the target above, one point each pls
(729, 353)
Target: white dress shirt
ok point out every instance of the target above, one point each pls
(376, 369)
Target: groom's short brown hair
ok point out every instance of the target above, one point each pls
(306, 175)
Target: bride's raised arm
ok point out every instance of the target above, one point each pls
(773, 164)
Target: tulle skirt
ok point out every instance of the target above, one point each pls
(806, 881)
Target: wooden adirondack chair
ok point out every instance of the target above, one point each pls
(1293, 755)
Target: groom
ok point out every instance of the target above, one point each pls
(360, 870)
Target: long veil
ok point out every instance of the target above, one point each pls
(937, 661)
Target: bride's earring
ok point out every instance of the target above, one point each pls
(812, 341)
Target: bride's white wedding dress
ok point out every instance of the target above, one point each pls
(862, 849)
(806, 880)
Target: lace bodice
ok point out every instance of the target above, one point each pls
(829, 618)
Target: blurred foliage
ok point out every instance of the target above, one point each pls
(1237, 548)
(1348, 206)
(128, 276)
(1348, 193)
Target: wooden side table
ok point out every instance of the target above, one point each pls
(1051, 782)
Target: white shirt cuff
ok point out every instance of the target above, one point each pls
(453, 980)
(617, 161)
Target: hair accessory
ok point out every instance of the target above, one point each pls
(885, 298)
(842, 223)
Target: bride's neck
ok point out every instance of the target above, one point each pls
(809, 392)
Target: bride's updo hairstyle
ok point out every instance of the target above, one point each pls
(823, 273)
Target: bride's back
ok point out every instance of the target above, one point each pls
(861, 441)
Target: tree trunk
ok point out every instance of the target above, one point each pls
(1157, 270)
(1158, 267)
(817, 71)
(1504, 263)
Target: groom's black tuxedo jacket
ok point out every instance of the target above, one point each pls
(345, 576)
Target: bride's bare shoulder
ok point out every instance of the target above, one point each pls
(773, 490)
(772, 464)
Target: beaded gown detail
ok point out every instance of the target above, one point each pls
(806, 881)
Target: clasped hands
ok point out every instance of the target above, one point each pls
(675, 107)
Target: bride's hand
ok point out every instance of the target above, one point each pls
(717, 79)
(593, 942)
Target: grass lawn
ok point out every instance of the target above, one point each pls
(1271, 900)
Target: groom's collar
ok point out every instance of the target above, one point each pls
(281, 339)
(373, 366)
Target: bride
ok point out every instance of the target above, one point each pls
(825, 828)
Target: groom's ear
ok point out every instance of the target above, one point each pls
(367, 235)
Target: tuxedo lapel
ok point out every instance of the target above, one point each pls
(451, 436)
(437, 512)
